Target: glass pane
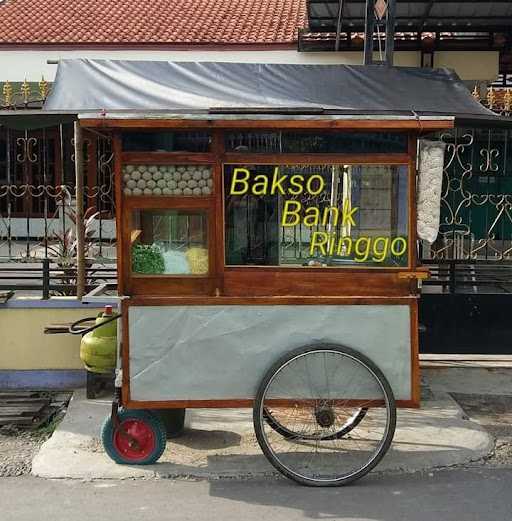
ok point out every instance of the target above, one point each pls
(319, 142)
(169, 242)
(168, 180)
(316, 215)
(166, 141)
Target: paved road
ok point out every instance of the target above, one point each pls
(455, 495)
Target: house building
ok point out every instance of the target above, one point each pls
(462, 35)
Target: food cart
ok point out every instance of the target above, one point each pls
(267, 227)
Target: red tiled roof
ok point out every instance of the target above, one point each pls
(151, 21)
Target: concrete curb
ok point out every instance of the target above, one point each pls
(221, 444)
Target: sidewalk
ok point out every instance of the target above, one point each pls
(220, 443)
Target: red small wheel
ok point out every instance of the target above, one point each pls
(139, 439)
(142, 441)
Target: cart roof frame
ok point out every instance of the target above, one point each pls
(278, 121)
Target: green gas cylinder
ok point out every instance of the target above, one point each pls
(98, 348)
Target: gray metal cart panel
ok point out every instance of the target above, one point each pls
(223, 352)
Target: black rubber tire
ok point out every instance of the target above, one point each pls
(287, 433)
(173, 420)
(259, 420)
(151, 420)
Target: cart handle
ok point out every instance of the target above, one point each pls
(75, 328)
(420, 274)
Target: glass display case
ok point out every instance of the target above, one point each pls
(214, 212)
(358, 215)
(169, 242)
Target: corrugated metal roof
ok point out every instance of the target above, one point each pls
(427, 15)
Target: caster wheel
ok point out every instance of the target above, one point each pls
(140, 440)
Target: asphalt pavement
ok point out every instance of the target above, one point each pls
(482, 494)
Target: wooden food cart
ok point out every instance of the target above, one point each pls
(267, 258)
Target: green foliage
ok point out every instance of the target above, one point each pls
(147, 258)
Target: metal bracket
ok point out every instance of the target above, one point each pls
(117, 424)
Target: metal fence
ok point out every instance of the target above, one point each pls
(38, 212)
(38, 208)
(475, 237)
(47, 278)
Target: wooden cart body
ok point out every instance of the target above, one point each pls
(206, 341)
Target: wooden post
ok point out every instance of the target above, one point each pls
(79, 201)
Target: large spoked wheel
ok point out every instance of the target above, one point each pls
(139, 439)
(310, 393)
(344, 427)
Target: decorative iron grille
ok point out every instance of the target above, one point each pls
(473, 251)
(476, 201)
(497, 99)
(38, 196)
(23, 95)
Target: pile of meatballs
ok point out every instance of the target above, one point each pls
(167, 180)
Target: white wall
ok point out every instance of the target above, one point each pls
(18, 65)
(470, 65)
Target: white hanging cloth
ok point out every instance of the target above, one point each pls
(430, 182)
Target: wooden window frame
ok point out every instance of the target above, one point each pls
(261, 281)
(158, 284)
(352, 160)
(165, 284)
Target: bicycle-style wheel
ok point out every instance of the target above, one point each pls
(311, 392)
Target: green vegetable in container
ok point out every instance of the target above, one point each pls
(147, 258)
